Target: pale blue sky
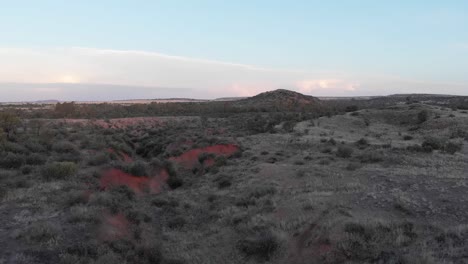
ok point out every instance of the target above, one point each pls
(316, 47)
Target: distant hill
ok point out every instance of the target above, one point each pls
(40, 102)
(281, 99)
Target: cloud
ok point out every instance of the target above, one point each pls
(327, 85)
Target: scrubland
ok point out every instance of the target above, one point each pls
(364, 185)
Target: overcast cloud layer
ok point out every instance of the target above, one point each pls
(98, 74)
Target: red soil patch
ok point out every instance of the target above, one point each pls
(114, 227)
(115, 177)
(190, 158)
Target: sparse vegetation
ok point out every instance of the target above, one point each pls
(247, 182)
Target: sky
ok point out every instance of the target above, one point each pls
(111, 49)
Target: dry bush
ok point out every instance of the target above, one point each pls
(344, 152)
(59, 170)
(260, 244)
(12, 161)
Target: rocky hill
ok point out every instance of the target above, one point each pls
(280, 99)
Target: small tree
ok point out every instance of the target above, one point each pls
(65, 109)
(8, 123)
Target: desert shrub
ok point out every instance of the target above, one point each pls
(288, 126)
(174, 182)
(138, 168)
(459, 133)
(452, 147)
(362, 143)
(220, 161)
(59, 170)
(332, 141)
(39, 233)
(259, 124)
(27, 169)
(35, 146)
(65, 147)
(36, 159)
(3, 191)
(371, 157)
(260, 245)
(353, 166)
(75, 197)
(352, 108)
(205, 156)
(14, 148)
(260, 191)
(432, 143)
(245, 201)
(176, 222)
(163, 203)
(12, 161)
(149, 254)
(423, 116)
(407, 137)
(344, 152)
(223, 181)
(174, 261)
(299, 162)
(370, 242)
(68, 157)
(326, 150)
(99, 159)
(415, 148)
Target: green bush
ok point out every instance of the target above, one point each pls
(59, 170)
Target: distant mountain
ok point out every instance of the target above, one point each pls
(52, 101)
